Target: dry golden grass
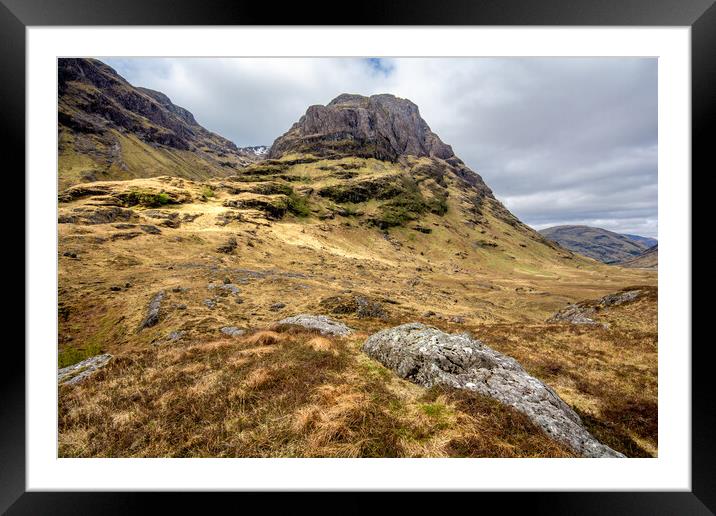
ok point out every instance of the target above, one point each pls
(609, 375)
(283, 391)
(313, 397)
(264, 338)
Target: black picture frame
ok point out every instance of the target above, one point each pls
(16, 15)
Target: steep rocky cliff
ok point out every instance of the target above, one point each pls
(380, 126)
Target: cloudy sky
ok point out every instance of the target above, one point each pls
(559, 140)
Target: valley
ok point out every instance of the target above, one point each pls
(182, 265)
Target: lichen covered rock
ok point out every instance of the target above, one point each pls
(429, 357)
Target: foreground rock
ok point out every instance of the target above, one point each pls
(80, 371)
(430, 357)
(176, 335)
(582, 312)
(322, 323)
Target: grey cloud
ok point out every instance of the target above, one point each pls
(559, 140)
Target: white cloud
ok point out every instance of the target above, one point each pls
(559, 140)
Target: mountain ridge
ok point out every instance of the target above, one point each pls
(109, 129)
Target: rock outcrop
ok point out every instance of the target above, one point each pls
(322, 323)
(228, 247)
(428, 357)
(153, 311)
(95, 215)
(78, 372)
(380, 126)
(582, 312)
(574, 314)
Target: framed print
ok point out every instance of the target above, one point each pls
(417, 250)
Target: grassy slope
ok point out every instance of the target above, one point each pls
(285, 393)
(206, 395)
(133, 159)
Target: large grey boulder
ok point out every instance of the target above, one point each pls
(429, 357)
(322, 323)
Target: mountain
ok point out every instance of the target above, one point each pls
(600, 244)
(109, 129)
(648, 259)
(378, 155)
(370, 162)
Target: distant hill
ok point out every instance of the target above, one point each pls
(649, 259)
(109, 130)
(649, 242)
(600, 244)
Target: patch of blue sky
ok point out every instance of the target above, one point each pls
(379, 65)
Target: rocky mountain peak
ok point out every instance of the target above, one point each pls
(380, 126)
